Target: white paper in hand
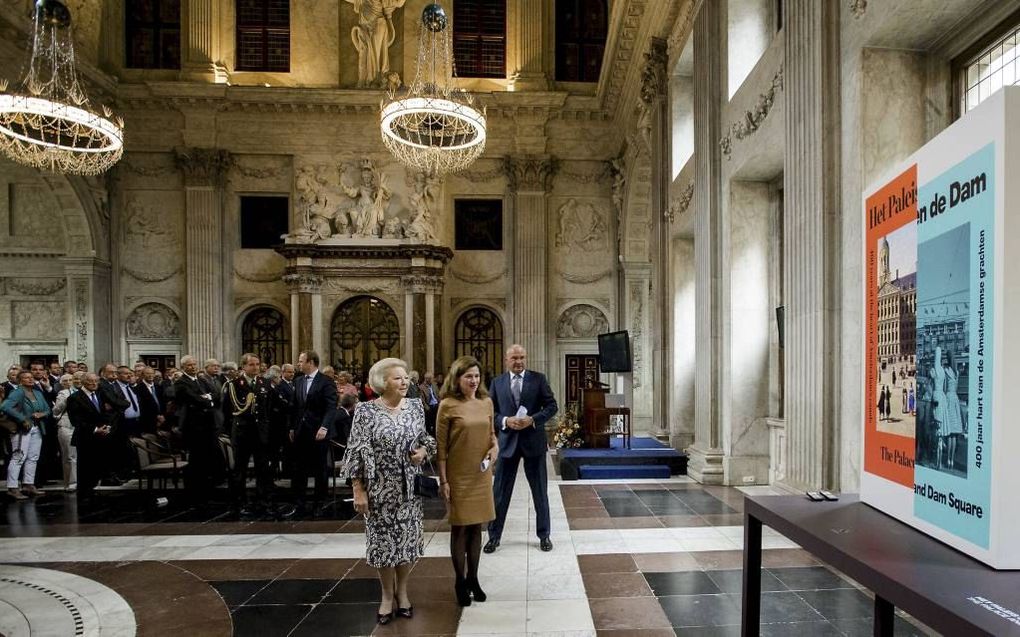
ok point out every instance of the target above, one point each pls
(522, 411)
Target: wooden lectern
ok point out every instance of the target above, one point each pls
(596, 419)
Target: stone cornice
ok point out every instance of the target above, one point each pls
(532, 174)
(203, 166)
(381, 253)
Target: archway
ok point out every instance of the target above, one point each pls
(478, 332)
(364, 329)
(265, 334)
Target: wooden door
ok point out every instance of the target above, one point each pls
(582, 371)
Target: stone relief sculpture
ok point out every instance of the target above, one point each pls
(38, 319)
(372, 38)
(581, 226)
(152, 244)
(153, 320)
(353, 200)
(582, 321)
(423, 197)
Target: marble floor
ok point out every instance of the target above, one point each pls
(643, 558)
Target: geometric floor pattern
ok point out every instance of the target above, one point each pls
(643, 558)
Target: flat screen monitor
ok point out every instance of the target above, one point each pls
(614, 352)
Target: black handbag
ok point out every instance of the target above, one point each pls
(426, 486)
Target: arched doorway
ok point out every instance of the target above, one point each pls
(479, 333)
(265, 334)
(364, 330)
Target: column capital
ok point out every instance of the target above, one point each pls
(303, 282)
(654, 81)
(530, 173)
(422, 284)
(203, 166)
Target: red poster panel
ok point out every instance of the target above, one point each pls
(890, 350)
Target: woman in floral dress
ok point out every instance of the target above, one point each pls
(386, 449)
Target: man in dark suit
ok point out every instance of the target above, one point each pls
(345, 418)
(523, 402)
(90, 416)
(212, 384)
(280, 424)
(196, 406)
(311, 430)
(151, 402)
(12, 379)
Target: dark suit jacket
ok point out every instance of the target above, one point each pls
(538, 398)
(148, 407)
(317, 409)
(85, 418)
(111, 395)
(343, 424)
(194, 410)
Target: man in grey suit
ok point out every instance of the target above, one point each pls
(523, 402)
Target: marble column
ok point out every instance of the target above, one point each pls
(202, 60)
(812, 256)
(204, 169)
(639, 313)
(706, 454)
(530, 180)
(306, 312)
(420, 315)
(526, 45)
(654, 87)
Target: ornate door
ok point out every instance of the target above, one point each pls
(264, 333)
(479, 333)
(364, 330)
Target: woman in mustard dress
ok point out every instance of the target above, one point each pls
(467, 449)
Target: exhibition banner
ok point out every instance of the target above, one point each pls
(935, 453)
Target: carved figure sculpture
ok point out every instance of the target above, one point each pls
(392, 228)
(581, 226)
(373, 37)
(423, 195)
(371, 200)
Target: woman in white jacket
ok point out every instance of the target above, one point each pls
(68, 454)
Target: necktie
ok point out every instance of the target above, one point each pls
(130, 395)
(515, 389)
(155, 399)
(95, 401)
(307, 386)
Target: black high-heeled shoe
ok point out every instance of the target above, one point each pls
(382, 619)
(476, 589)
(463, 594)
(406, 613)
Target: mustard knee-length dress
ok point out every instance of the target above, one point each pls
(464, 433)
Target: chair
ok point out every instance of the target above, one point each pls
(154, 464)
(336, 448)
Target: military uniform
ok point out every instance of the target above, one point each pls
(248, 405)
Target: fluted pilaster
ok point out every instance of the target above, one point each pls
(530, 180)
(654, 86)
(203, 55)
(527, 35)
(812, 230)
(203, 170)
(709, 76)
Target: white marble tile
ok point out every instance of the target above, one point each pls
(560, 586)
(559, 615)
(494, 617)
(708, 544)
(221, 553)
(503, 588)
(189, 540)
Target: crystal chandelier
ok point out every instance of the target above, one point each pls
(49, 122)
(432, 127)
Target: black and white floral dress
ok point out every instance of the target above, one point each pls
(377, 452)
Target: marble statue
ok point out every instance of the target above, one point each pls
(422, 199)
(371, 201)
(311, 186)
(393, 228)
(372, 38)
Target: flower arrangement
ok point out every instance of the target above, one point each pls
(568, 430)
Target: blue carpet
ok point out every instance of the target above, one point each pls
(640, 447)
(623, 471)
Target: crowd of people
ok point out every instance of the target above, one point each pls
(290, 421)
(81, 429)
